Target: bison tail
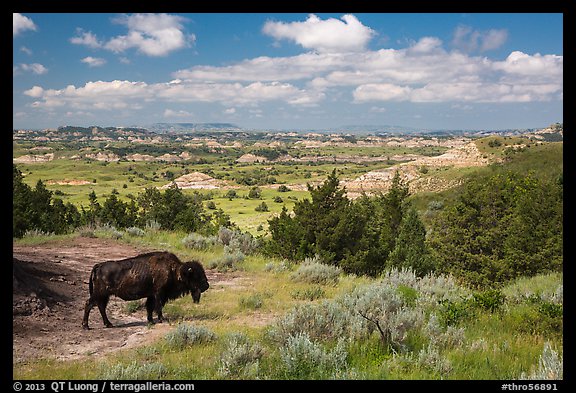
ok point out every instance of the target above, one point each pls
(91, 281)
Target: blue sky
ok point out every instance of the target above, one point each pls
(289, 71)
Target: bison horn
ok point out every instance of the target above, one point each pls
(189, 269)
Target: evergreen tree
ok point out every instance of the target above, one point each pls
(411, 250)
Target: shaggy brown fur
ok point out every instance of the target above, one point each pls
(158, 276)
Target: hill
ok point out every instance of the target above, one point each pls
(191, 127)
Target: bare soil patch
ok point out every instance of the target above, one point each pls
(50, 288)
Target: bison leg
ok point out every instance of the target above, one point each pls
(158, 308)
(102, 303)
(90, 303)
(150, 305)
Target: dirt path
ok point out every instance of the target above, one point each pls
(50, 287)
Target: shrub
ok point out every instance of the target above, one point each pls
(187, 334)
(431, 359)
(227, 262)
(153, 226)
(252, 302)
(240, 358)
(384, 310)
(238, 241)
(312, 271)
(263, 207)
(134, 371)
(281, 266)
(311, 293)
(448, 337)
(198, 242)
(302, 358)
(135, 231)
(549, 366)
(133, 306)
(255, 193)
(324, 320)
(454, 312)
(490, 300)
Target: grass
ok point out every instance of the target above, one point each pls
(496, 345)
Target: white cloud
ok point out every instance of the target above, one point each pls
(426, 44)
(151, 34)
(21, 23)
(178, 114)
(93, 61)
(325, 36)
(126, 94)
(469, 40)
(87, 39)
(381, 92)
(26, 50)
(519, 63)
(35, 92)
(266, 68)
(423, 71)
(493, 39)
(35, 68)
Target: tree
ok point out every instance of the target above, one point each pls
(21, 204)
(501, 226)
(411, 250)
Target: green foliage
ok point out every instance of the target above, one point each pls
(134, 371)
(187, 334)
(490, 300)
(452, 313)
(310, 293)
(501, 227)
(263, 207)
(356, 236)
(36, 209)
(314, 272)
(252, 302)
(550, 366)
(240, 358)
(302, 358)
(171, 209)
(255, 193)
(410, 249)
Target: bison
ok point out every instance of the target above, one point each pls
(158, 276)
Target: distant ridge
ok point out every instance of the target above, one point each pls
(191, 127)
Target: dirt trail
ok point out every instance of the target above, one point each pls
(50, 287)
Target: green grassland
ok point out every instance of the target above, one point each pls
(483, 344)
(129, 177)
(479, 342)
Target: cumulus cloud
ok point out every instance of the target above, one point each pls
(126, 94)
(177, 114)
(326, 36)
(469, 40)
(423, 71)
(93, 61)
(35, 68)
(21, 23)
(86, 38)
(150, 34)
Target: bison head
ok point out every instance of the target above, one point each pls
(194, 279)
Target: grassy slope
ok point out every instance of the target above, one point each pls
(497, 345)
